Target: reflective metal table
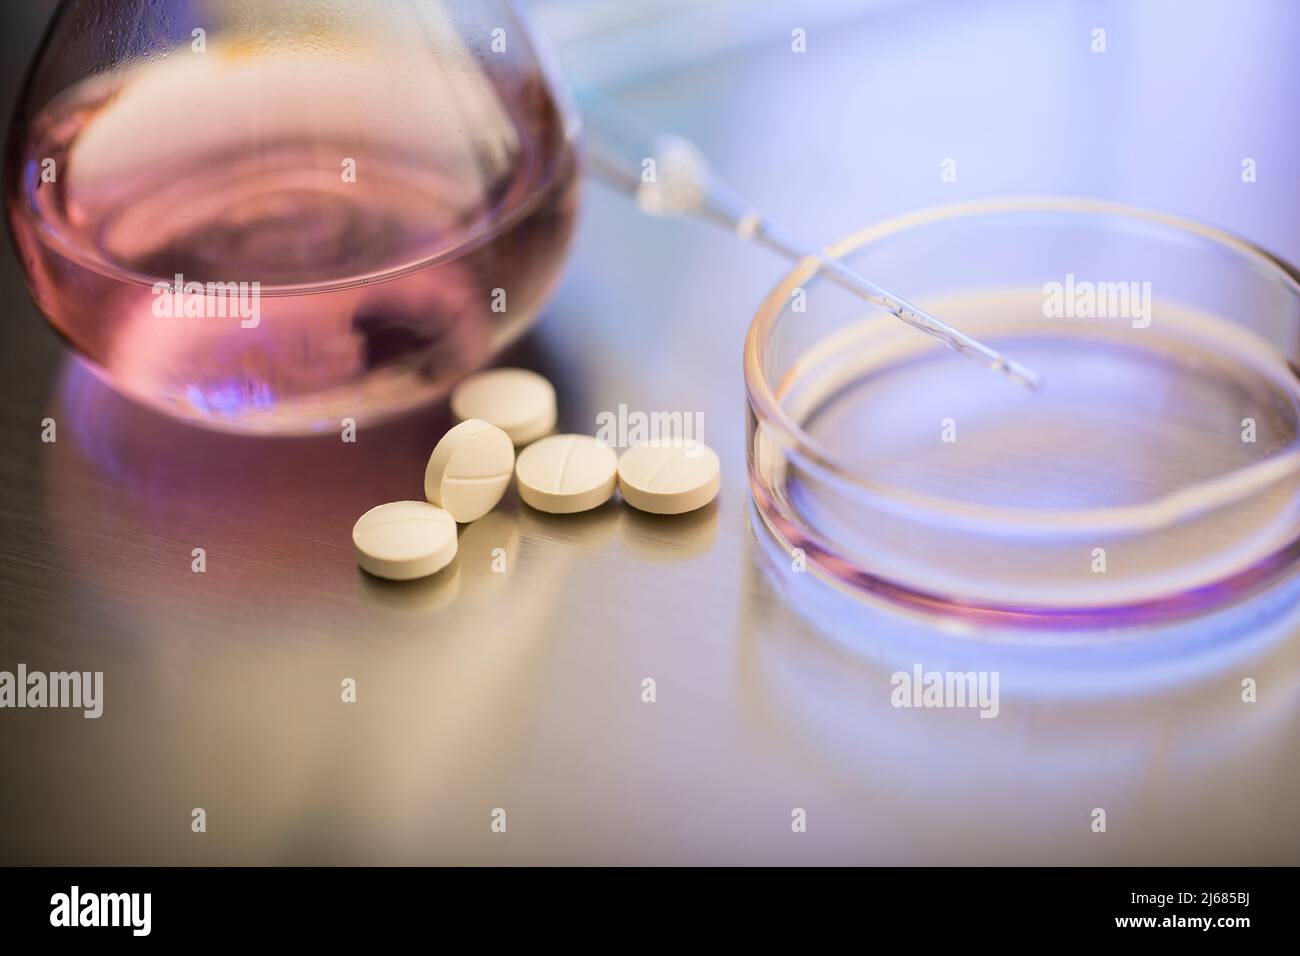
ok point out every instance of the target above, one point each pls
(523, 690)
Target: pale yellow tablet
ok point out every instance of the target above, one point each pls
(469, 470)
(670, 478)
(404, 539)
(519, 402)
(564, 474)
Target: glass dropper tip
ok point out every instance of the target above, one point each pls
(1020, 374)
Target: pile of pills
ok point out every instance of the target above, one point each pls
(470, 468)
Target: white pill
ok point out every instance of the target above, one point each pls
(404, 539)
(519, 402)
(669, 479)
(565, 474)
(469, 470)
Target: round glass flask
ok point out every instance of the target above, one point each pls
(265, 216)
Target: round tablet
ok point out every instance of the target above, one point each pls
(564, 474)
(469, 470)
(669, 479)
(519, 402)
(404, 539)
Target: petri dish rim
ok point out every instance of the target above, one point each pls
(1148, 516)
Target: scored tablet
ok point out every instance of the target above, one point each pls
(669, 479)
(469, 470)
(565, 474)
(403, 540)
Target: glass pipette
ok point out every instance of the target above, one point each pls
(666, 175)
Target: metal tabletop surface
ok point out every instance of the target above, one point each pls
(479, 690)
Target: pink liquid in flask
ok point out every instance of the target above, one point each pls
(358, 239)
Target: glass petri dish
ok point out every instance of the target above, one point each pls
(1153, 477)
